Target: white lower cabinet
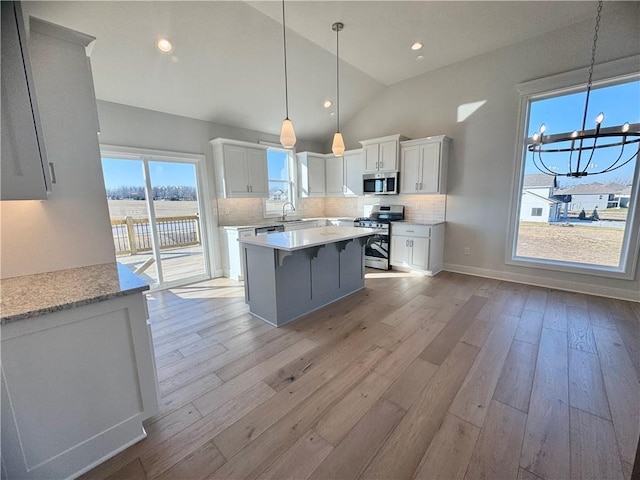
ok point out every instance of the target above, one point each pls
(76, 385)
(232, 264)
(417, 247)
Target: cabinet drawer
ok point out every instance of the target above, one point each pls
(411, 230)
(246, 233)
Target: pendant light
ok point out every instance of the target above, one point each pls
(287, 135)
(587, 141)
(338, 142)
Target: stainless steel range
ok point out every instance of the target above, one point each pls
(376, 254)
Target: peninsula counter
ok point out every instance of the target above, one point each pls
(290, 274)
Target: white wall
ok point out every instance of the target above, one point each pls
(71, 228)
(483, 148)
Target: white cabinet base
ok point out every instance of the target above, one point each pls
(417, 248)
(76, 386)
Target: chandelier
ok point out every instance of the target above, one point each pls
(287, 134)
(337, 146)
(582, 144)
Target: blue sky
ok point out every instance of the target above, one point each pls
(619, 103)
(129, 172)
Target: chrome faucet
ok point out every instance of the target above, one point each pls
(284, 215)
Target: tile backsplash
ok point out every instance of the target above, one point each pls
(418, 208)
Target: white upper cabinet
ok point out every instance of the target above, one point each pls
(423, 165)
(25, 169)
(353, 170)
(311, 168)
(335, 176)
(344, 174)
(240, 169)
(381, 154)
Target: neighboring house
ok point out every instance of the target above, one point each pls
(624, 197)
(537, 204)
(589, 196)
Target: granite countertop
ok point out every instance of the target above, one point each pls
(310, 237)
(42, 293)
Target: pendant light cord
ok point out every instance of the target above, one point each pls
(593, 61)
(284, 43)
(338, 79)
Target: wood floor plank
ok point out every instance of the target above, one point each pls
(623, 390)
(594, 453)
(259, 354)
(256, 456)
(472, 401)
(527, 475)
(185, 395)
(132, 471)
(402, 452)
(530, 327)
(516, 379)
(586, 386)
(408, 351)
(630, 333)
(514, 303)
(580, 331)
(477, 332)
(335, 424)
(407, 388)
(497, 452)
(299, 462)
(555, 312)
(257, 336)
(351, 456)
(406, 328)
(599, 313)
(177, 344)
(491, 310)
(440, 347)
(220, 395)
(536, 300)
(197, 465)
(171, 451)
(401, 314)
(168, 385)
(545, 450)
(168, 358)
(450, 451)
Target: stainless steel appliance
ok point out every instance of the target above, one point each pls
(376, 254)
(381, 183)
(269, 229)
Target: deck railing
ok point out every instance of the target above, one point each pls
(133, 235)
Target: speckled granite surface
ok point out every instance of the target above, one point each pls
(33, 295)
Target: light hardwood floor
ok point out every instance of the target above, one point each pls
(414, 377)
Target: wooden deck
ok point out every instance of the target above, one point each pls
(177, 264)
(413, 377)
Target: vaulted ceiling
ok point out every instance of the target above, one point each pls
(227, 61)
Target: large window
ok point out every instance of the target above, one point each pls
(588, 224)
(281, 173)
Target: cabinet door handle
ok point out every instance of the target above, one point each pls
(53, 172)
(411, 243)
(420, 185)
(406, 243)
(416, 185)
(247, 188)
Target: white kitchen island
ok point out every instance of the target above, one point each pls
(290, 274)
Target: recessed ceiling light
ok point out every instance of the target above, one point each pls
(419, 58)
(164, 45)
(416, 46)
(327, 104)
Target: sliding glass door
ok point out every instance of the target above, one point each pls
(156, 217)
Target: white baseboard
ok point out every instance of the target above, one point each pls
(568, 286)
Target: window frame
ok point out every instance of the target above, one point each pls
(605, 74)
(293, 175)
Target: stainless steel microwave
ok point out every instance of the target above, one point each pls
(381, 183)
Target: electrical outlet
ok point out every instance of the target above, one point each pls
(467, 250)
(226, 211)
(417, 206)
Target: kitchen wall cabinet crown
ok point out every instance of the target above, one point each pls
(311, 169)
(417, 247)
(381, 154)
(344, 174)
(240, 169)
(424, 164)
(25, 169)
